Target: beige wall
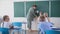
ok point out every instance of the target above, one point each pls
(6, 8)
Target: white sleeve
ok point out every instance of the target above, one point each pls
(10, 24)
(39, 25)
(1, 24)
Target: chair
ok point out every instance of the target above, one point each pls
(18, 24)
(39, 31)
(52, 32)
(4, 30)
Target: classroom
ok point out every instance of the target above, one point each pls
(29, 16)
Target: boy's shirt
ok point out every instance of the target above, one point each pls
(6, 24)
(44, 26)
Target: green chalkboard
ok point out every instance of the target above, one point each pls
(55, 9)
(42, 6)
(19, 9)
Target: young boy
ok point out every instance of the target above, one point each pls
(43, 25)
(6, 23)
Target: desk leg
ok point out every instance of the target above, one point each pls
(0, 32)
(10, 31)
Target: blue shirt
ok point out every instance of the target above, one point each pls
(43, 26)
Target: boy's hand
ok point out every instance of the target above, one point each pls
(11, 27)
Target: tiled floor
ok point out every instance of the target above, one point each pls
(28, 32)
(34, 32)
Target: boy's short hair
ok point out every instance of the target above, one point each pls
(4, 17)
(42, 18)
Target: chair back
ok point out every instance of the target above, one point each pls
(4, 30)
(19, 24)
(52, 32)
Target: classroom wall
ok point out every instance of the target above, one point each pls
(7, 8)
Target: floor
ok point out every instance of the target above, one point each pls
(34, 32)
(27, 32)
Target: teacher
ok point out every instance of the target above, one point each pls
(32, 13)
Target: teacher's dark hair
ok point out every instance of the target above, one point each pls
(34, 6)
